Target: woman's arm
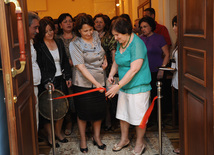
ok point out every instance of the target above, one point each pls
(113, 55)
(87, 75)
(165, 50)
(113, 71)
(105, 63)
(166, 55)
(134, 68)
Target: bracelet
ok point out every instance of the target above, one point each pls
(119, 85)
(163, 65)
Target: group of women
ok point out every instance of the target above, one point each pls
(86, 57)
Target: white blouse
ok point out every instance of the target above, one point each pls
(175, 66)
(55, 55)
(35, 66)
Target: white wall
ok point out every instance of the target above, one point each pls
(105, 6)
(130, 8)
(173, 12)
(165, 11)
(54, 8)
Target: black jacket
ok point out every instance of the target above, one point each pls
(46, 62)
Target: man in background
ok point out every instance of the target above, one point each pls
(33, 19)
(160, 29)
(136, 28)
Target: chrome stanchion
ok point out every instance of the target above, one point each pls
(159, 116)
(52, 120)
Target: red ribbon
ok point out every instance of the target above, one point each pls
(81, 93)
(147, 114)
(145, 118)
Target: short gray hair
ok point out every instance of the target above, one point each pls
(32, 16)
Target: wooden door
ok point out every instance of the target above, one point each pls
(21, 113)
(196, 76)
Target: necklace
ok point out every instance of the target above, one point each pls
(126, 44)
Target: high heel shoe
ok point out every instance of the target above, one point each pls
(56, 144)
(102, 147)
(84, 150)
(63, 140)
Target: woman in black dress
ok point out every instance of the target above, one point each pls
(88, 73)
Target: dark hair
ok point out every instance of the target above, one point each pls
(114, 18)
(107, 22)
(97, 16)
(80, 14)
(105, 18)
(75, 18)
(81, 20)
(55, 21)
(60, 19)
(42, 28)
(49, 17)
(174, 20)
(111, 23)
(32, 16)
(121, 25)
(150, 21)
(126, 16)
(151, 11)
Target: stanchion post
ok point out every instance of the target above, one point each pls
(52, 120)
(159, 116)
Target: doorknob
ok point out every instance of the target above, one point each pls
(15, 99)
(22, 59)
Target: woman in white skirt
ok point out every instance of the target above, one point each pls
(131, 63)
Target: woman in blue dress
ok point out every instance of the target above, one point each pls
(132, 65)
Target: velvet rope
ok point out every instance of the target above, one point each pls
(147, 114)
(81, 93)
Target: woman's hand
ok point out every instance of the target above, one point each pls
(68, 83)
(111, 79)
(98, 85)
(113, 91)
(52, 86)
(105, 63)
(160, 74)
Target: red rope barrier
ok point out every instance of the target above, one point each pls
(147, 114)
(81, 93)
(145, 118)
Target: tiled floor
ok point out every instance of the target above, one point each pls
(170, 136)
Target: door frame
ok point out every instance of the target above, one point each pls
(7, 78)
(21, 119)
